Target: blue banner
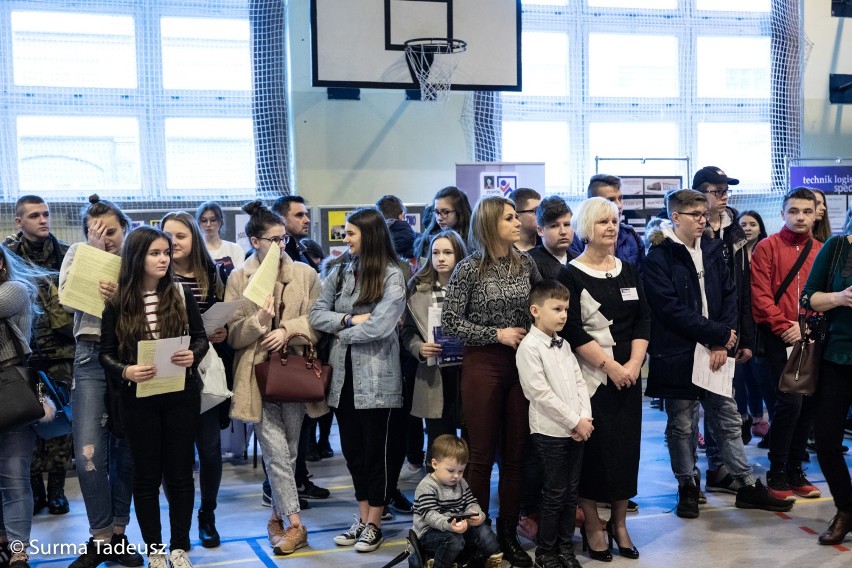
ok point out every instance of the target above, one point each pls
(829, 179)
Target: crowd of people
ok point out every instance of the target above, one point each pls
(515, 330)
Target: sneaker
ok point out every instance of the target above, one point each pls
(125, 553)
(93, 555)
(400, 503)
(687, 501)
(325, 450)
(757, 496)
(800, 484)
(274, 531)
(779, 488)
(19, 560)
(387, 514)
(179, 559)
(304, 504)
(721, 481)
(550, 560)
(371, 538)
(764, 443)
(746, 430)
(657, 403)
(157, 561)
(309, 490)
(295, 537)
(352, 535)
(702, 445)
(313, 453)
(760, 428)
(266, 498)
(411, 473)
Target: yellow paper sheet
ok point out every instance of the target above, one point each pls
(262, 284)
(82, 288)
(158, 352)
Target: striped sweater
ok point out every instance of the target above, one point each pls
(435, 503)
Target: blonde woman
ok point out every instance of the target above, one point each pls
(486, 307)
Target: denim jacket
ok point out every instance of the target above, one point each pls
(376, 375)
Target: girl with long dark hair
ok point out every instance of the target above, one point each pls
(360, 304)
(160, 428)
(450, 210)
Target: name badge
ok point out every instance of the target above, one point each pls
(628, 294)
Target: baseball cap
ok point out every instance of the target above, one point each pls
(712, 174)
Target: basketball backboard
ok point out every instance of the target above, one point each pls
(359, 43)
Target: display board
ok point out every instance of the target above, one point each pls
(643, 198)
(478, 179)
(328, 222)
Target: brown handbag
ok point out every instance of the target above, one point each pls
(801, 372)
(285, 377)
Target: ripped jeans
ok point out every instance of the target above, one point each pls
(104, 462)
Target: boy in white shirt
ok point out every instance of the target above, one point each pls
(560, 418)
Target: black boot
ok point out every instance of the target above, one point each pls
(207, 532)
(57, 504)
(39, 494)
(507, 537)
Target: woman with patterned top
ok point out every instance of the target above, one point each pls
(436, 387)
(486, 307)
(608, 327)
(200, 276)
(160, 426)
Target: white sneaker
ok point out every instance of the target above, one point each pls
(371, 538)
(179, 559)
(157, 561)
(411, 473)
(352, 535)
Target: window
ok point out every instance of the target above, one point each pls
(684, 83)
(61, 49)
(142, 101)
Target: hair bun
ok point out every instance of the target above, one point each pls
(94, 198)
(254, 207)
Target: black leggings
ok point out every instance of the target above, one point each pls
(364, 441)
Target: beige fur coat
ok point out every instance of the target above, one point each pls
(297, 288)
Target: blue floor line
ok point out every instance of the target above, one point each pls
(261, 554)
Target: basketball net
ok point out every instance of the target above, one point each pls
(432, 63)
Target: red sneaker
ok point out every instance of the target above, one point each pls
(800, 485)
(776, 483)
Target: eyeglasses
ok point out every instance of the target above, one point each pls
(696, 215)
(527, 211)
(444, 213)
(277, 240)
(718, 193)
(208, 220)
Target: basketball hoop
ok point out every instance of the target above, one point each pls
(432, 63)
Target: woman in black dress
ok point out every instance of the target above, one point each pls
(608, 328)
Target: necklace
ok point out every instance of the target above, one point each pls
(605, 268)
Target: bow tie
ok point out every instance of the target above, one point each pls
(556, 342)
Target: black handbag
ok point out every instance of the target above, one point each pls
(19, 392)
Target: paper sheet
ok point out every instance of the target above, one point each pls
(218, 315)
(158, 352)
(720, 382)
(82, 288)
(262, 284)
(452, 348)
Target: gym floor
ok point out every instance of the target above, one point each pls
(722, 536)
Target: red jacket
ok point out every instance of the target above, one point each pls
(771, 261)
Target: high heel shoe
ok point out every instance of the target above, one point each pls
(602, 555)
(631, 553)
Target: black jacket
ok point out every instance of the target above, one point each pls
(113, 364)
(548, 265)
(739, 268)
(674, 296)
